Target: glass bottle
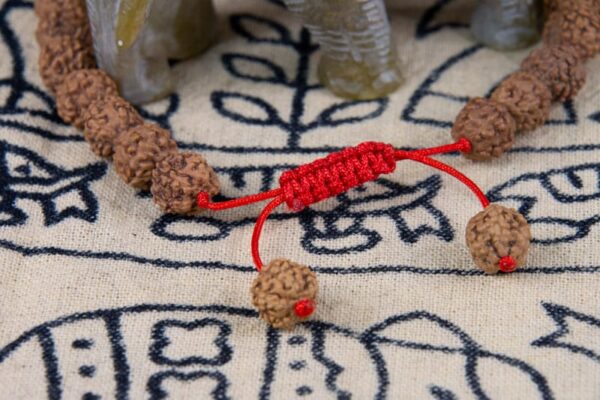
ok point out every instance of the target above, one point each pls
(507, 24)
(359, 58)
(134, 40)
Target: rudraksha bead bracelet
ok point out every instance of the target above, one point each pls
(146, 156)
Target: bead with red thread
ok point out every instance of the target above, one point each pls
(203, 200)
(304, 308)
(507, 264)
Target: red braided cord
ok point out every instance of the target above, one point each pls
(260, 221)
(336, 173)
(447, 169)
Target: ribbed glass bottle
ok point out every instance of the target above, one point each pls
(507, 24)
(134, 39)
(359, 58)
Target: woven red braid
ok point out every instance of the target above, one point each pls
(337, 173)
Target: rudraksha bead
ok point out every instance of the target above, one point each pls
(578, 27)
(280, 287)
(44, 7)
(105, 119)
(527, 98)
(556, 5)
(177, 180)
(495, 234)
(70, 19)
(80, 33)
(138, 150)
(489, 127)
(61, 55)
(559, 67)
(79, 89)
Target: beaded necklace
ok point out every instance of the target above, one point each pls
(285, 292)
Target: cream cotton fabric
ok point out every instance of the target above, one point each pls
(102, 296)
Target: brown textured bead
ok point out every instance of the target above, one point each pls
(61, 55)
(41, 7)
(82, 33)
(105, 119)
(527, 99)
(559, 67)
(45, 7)
(278, 287)
(578, 27)
(498, 232)
(177, 180)
(71, 19)
(138, 150)
(555, 5)
(489, 127)
(79, 90)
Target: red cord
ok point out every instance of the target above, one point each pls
(447, 169)
(260, 221)
(463, 145)
(337, 173)
(332, 175)
(203, 200)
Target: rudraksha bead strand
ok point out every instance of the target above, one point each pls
(285, 292)
(79, 89)
(139, 150)
(105, 119)
(527, 99)
(61, 55)
(553, 72)
(577, 27)
(88, 99)
(559, 67)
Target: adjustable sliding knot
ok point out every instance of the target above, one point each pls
(336, 173)
(285, 292)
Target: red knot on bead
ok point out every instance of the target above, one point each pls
(304, 308)
(336, 173)
(507, 264)
(202, 200)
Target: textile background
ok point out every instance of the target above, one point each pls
(102, 296)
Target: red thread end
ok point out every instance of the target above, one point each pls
(507, 264)
(202, 200)
(304, 308)
(465, 145)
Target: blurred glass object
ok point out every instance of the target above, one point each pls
(359, 58)
(135, 39)
(507, 24)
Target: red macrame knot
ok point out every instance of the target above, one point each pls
(336, 173)
(507, 264)
(304, 308)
